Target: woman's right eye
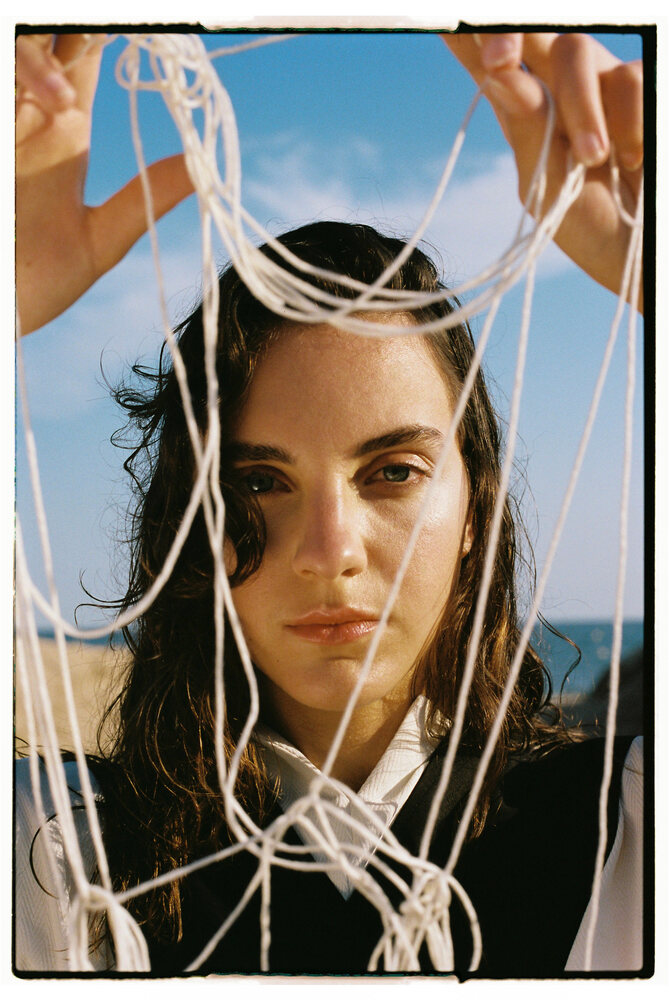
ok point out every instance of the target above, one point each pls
(259, 482)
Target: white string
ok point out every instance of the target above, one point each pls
(233, 50)
(181, 71)
(636, 253)
(539, 590)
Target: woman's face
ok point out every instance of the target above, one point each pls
(338, 440)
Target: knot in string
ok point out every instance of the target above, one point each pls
(423, 919)
(129, 946)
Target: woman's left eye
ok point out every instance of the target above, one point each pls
(397, 473)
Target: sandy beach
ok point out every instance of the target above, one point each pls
(94, 671)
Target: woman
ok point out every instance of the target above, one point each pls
(322, 488)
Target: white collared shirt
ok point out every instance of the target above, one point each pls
(384, 792)
(41, 926)
(618, 939)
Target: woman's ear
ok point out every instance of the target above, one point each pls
(467, 536)
(229, 556)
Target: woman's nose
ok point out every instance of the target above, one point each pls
(330, 541)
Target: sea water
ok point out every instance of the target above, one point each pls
(595, 640)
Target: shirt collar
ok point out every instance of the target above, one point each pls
(385, 790)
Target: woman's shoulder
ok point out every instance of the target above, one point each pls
(48, 847)
(573, 770)
(33, 784)
(545, 833)
(40, 798)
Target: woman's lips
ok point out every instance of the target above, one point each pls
(333, 627)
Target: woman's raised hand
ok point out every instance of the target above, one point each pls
(599, 104)
(62, 245)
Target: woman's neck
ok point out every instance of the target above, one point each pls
(367, 736)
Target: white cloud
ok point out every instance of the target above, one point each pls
(474, 224)
(120, 319)
(478, 219)
(287, 186)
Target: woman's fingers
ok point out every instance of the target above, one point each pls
(599, 105)
(498, 51)
(40, 73)
(119, 222)
(577, 90)
(80, 57)
(622, 93)
(58, 72)
(497, 67)
(56, 79)
(63, 246)
(598, 98)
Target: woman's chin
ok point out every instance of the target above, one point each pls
(330, 688)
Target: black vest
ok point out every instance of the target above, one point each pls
(528, 875)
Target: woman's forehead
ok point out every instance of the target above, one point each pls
(322, 349)
(326, 379)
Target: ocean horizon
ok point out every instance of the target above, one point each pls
(594, 639)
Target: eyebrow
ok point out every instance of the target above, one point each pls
(243, 451)
(411, 434)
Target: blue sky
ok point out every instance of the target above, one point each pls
(355, 127)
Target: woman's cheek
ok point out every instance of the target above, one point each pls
(441, 544)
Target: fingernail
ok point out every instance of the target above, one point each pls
(497, 51)
(589, 149)
(59, 87)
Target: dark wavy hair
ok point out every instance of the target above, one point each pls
(163, 804)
